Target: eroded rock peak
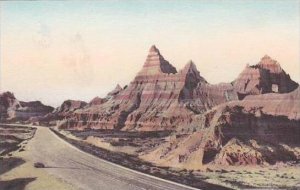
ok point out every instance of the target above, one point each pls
(155, 64)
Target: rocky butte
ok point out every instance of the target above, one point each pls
(265, 77)
(12, 110)
(254, 119)
(159, 98)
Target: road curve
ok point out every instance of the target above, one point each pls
(85, 171)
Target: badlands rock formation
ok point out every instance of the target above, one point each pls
(252, 120)
(159, 98)
(12, 109)
(97, 101)
(69, 106)
(114, 92)
(59, 113)
(265, 77)
(261, 129)
(162, 98)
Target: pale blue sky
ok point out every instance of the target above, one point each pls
(81, 49)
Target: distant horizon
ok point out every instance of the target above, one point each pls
(178, 69)
(84, 49)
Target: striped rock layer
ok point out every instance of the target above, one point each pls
(258, 130)
(252, 121)
(162, 98)
(265, 77)
(159, 98)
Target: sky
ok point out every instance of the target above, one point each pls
(57, 50)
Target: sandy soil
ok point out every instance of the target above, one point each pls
(120, 141)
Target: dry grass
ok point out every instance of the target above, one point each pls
(277, 176)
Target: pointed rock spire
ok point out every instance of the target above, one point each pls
(153, 49)
(265, 77)
(266, 62)
(118, 87)
(191, 71)
(190, 66)
(115, 91)
(156, 64)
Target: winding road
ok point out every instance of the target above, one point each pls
(85, 171)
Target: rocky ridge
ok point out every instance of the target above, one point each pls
(12, 109)
(259, 130)
(265, 77)
(253, 120)
(159, 98)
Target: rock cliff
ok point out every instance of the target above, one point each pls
(59, 113)
(253, 120)
(12, 109)
(265, 77)
(159, 98)
(259, 130)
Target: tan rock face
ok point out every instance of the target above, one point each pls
(261, 129)
(12, 109)
(235, 152)
(159, 98)
(265, 77)
(287, 104)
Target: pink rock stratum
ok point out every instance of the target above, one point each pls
(236, 123)
(159, 98)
